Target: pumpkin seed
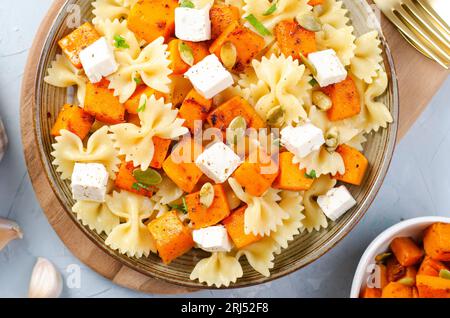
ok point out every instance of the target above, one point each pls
(321, 100)
(308, 64)
(236, 130)
(186, 53)
(444, 273)
(407, 281)
(207, 195)
(148, 177)
(332, 139)
(382, 257)
(228, 55)
(275, 116)
(309, 22)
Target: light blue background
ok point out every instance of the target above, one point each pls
(418, 183)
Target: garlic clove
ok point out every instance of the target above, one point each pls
(9, 230)
(46, 281)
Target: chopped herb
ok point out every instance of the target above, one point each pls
(180, 207)
(138, 80)
(139, 186)
(120, 42)
(142, 107)
(313, 82)
(257, 25)
(311, 175)
(271, 9)
(187, 4)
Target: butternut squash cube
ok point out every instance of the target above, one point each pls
(180, 87)
(345, 100)
(315, 2)
(371, 293)
(221, 17)
(433, 287)
(101, 103)
(235, 224)
(132, 104)
(290, 176)
(77, 41)
(180, 167)
(195, 107)
(177, 65)
(247, 43)
(73, 119)
(431, 267)
(397, 290)
(437, 242)
(293, 39)
(222, 116)
(161, 149)
(126, 181)
(171, 236)
(150, 19)
(406, 251)
(201, 216)
(355, 165)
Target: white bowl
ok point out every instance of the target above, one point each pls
(413, 228)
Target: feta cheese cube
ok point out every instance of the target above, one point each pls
(209, 77)
(212, 239)
(218, 162)
(336, 202)
(192, 24)
(328, 66)
(302, 140)
(89, 182)
(98, 60)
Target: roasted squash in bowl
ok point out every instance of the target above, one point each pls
(143, 91)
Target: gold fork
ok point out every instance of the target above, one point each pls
(423, 27)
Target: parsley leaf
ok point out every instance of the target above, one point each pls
(313, 82)
(257, 25)
(138, 186)
(187, 4)
(142, 107)
(311, 175)
(180, 207)
(120, 42)
(271, 9)
(138, 80)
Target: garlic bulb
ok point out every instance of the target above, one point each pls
(46, 281)
(9, 230)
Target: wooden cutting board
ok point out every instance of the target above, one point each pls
(419, 79)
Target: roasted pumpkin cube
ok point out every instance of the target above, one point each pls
(437, 242)
(355, 165)
(125, 180)
(433, 287)
(394, 270)
(221, 17)
(247, 43)
(177, 65)
(202, 216)
(222, 116)
(73, 119)
(180, 166)
(368, 292)
(150, 19)
(161, 149)
(315, 2)
(345, 100)
(132, 104)
(257, 174)
(195, 107)
(290, 176)
(235, 225)
(180, 89)
(101, 103)
(77, 41)
(293, 39)
(397, 290)
(171, 236)
(431, 267)
(406, 251)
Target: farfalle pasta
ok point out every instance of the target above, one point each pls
(252, 72)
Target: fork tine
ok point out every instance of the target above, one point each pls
(424, 20)
(409, 20)
(414, 39)
(437, 18)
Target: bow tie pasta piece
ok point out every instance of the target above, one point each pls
(63, 74)
(315, 219)
(341, 40)
(111, 30)
(260, 255)
(366, 62)
(111, 9)
(69, 149)
(322, 162)
(97, 216)
(167, 192)
(357, 141)
(263, 214)
(281, 82)
(220, 269)
(152, 66)
(333, 13)
(157, 120)
(132, 237)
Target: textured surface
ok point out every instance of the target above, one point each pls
(421, 151)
